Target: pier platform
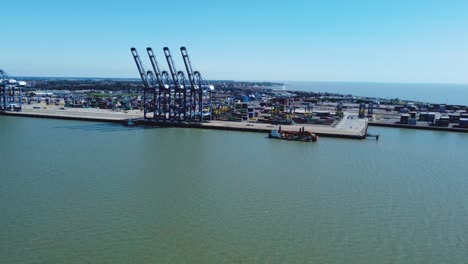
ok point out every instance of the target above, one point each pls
(348, 127)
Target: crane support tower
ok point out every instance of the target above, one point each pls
(370, 110)
(362, 110)
(11, 97)
(206, 94)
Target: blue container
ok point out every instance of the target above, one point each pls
(464, 122)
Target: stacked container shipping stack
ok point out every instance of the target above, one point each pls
(454, 118)
(423, 116)
(404, 119)
(464, 120)
(443, 121)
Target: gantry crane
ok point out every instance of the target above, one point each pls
(10, 93)
(196, 92)
(198, 84)
(163, 102)
(179, 89)
(206, 88)
(144, 77)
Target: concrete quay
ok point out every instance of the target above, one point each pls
(84, 114)
(346, 128)
(420, 127)
(358, 132)
(349, 127)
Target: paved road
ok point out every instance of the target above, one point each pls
(90, 113)
(352, 122)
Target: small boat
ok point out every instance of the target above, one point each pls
(300, 135)
(129, 123)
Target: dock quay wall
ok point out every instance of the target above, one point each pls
(63, 117)
(140, 121)
(433, 128)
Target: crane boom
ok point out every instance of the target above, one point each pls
(172, 68)
(188, 66)
(152, 82)
(157, 71)
(139, 65)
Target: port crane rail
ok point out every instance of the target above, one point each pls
(10, 93)
(174, 96)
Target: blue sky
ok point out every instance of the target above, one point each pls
(374, 41)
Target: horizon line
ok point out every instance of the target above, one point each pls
(272, 81)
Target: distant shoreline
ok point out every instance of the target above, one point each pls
(433, 128)
(431, 93)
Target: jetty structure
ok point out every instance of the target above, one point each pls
(347, 127)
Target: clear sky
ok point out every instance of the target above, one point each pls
(375, 41)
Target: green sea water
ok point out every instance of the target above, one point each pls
(82, 192)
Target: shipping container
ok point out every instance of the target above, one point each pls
(404, 118)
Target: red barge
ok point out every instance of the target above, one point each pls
(301, 135)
